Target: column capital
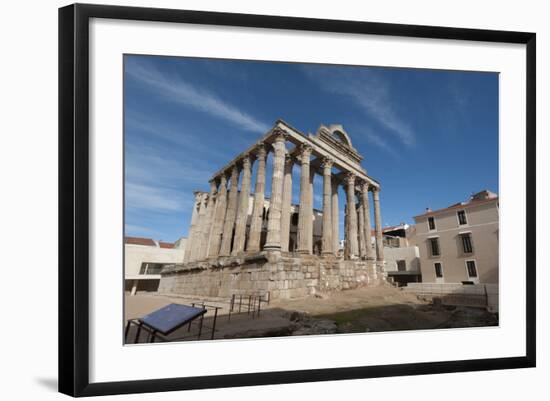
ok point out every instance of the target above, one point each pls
(304, 152)
(199, 196)
(350, 178)
(260, 150)
(289, 160)
(279, 135)
(213, 186)
(246, 160)
(373, 189)
(327, 163)
(223, 179)
(364, 186)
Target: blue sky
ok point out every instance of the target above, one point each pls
(429, 137)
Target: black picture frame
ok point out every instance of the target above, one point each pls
(74, 198)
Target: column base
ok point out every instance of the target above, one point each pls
(303, 251)
(268, 247)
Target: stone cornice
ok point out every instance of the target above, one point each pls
(319, 148)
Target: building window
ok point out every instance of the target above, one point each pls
(438, 270)
(431, 223)
(434, 244)
(471, 266)
(466, 243)
(461, 217)
(401, 265)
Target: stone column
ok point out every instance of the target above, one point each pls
(195, 250)
(327, 243)
(305, 218)
(230, 214)
(335, 217)
(254, 236)
(378, 225)
(346, 232)
(273, 241)
(242, 211)
(366, 213)
(287, 201)
(352, 217)
(219, 216)
(207, 226)
(361, 224)
(192, 229)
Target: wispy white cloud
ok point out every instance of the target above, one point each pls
(176, 89)
(133, 229)
(156, 198)
(369, 92)
(157, 166)
(380, 142)
(180, 135)
(157, 183)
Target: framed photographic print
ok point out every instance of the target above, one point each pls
(250, 199)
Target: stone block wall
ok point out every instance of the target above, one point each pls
(281, 276)
(481, 295)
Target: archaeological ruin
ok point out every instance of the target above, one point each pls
(243, 243)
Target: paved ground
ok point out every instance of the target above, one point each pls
(361, 310)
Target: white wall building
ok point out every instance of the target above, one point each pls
(401, 254)
(143, 259)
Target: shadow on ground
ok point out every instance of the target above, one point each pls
(279, 322)
(409, 317)
(49, 383)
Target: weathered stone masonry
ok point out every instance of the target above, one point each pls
(238, 248)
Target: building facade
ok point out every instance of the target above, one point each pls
(402, 254)
(459, 244)
(144, 259)
(230, 226)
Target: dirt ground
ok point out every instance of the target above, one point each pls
(368, 309)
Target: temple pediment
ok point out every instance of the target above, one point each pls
(335, 138)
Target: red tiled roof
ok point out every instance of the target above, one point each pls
(392, 228)
(147, 242)
(139, 241)
(473, 202)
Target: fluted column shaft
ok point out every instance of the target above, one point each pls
(195, 250)
(230, 214)
(346, 232)
(361, 224)
(273, 241)
(219, 216)
(366, 213)
(287, 200)
(305, 218)
(352, 217)
(378, 225)
(327, 243)
(335, 218)
(192, 228)
(207, 226)
(242, 211)
(254, 236)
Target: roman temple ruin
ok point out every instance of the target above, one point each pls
(241, 242)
